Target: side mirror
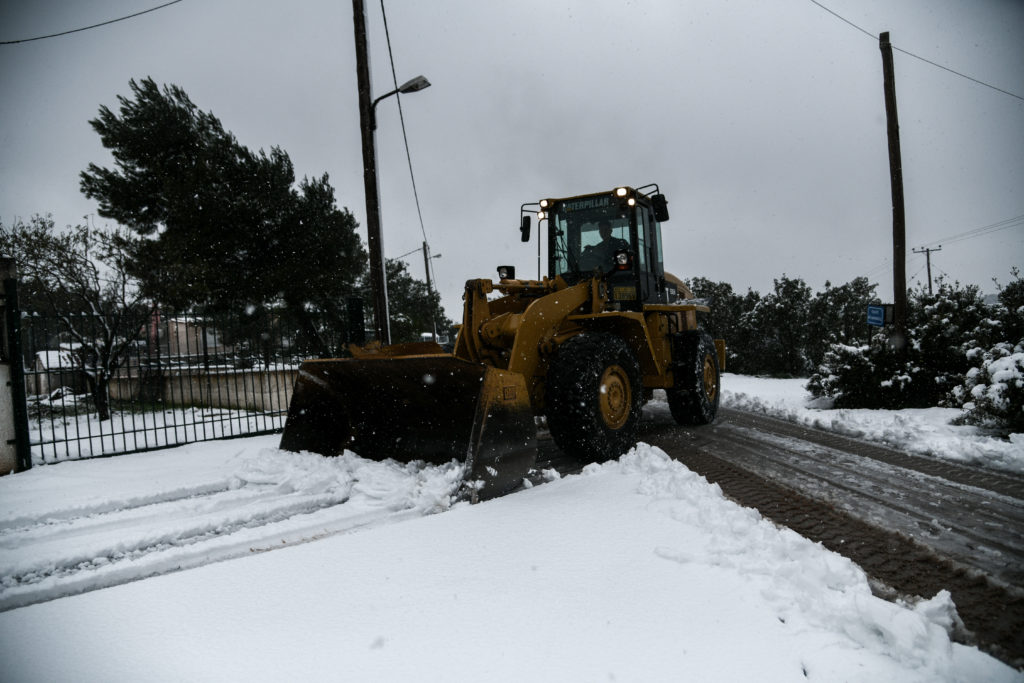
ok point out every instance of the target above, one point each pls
(660, 207)
(525, 229)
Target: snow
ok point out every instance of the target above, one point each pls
(924, 431)
(63, 532)
(634, 570)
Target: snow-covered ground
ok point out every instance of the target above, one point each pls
(635, 570)
(925, 431)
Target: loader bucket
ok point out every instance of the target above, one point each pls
(427, 407)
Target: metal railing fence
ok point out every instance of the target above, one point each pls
(184, 377)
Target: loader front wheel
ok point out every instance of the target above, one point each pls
(593, 397)
(694, 398)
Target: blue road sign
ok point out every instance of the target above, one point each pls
(876, 315)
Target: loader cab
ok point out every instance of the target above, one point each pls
(613, 235)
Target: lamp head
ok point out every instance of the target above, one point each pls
(418, 83)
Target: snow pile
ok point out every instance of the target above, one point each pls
(350, 479)
(925, 431)
(809, 588)
(633, 570)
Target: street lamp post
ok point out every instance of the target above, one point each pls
(427, 256)
(426, 266)
(368, 125)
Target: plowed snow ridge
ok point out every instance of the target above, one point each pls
(263, 499)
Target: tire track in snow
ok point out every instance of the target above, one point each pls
(979, 524)
(276, 499)
(102, 539)
(18, 524)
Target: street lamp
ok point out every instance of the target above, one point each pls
(427, 256)
(368, 125)
(418, 83)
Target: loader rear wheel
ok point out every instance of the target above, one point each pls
(694, 398)
(593, 396)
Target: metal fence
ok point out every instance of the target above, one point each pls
(180, 378)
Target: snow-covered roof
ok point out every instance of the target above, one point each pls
(51, 359)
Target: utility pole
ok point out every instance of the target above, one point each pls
(378, 281)
(430, 290)
(928, 259)
(899, 227)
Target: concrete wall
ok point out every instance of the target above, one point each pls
(8, 449)
(236, 389)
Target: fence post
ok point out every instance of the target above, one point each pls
(15, 451)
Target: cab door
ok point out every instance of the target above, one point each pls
(649, 259)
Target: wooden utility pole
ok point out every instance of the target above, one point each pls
(899, 226)
(928, 259)
(378, 281)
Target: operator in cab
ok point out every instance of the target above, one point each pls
(602, 254)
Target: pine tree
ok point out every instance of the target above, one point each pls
(723, 322)
(779, 322)
(227, 229)
(838, 316)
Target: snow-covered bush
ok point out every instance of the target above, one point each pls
(869, 376)
(1011, 301)
(993, 392)
(944, 326)
(941, 328)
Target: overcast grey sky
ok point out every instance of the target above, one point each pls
(762, 121)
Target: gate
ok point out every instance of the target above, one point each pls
(186, 377)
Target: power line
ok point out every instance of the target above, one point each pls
(86, 28)
(914, 276)
(911, 54)
(844, 19)
(946, 68)
(998, 226)
(401, 118)
(428, 265)
(1006, 224)
(878, 270)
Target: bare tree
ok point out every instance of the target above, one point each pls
(80, 275)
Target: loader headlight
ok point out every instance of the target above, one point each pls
(631, 201)
(545, 203)
(621, 191)
(541, 215)
(506, 272)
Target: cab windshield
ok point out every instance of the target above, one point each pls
(586, 232)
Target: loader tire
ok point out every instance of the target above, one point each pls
(594, 394)
(694, 398)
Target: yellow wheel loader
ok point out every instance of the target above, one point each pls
(583, 346)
